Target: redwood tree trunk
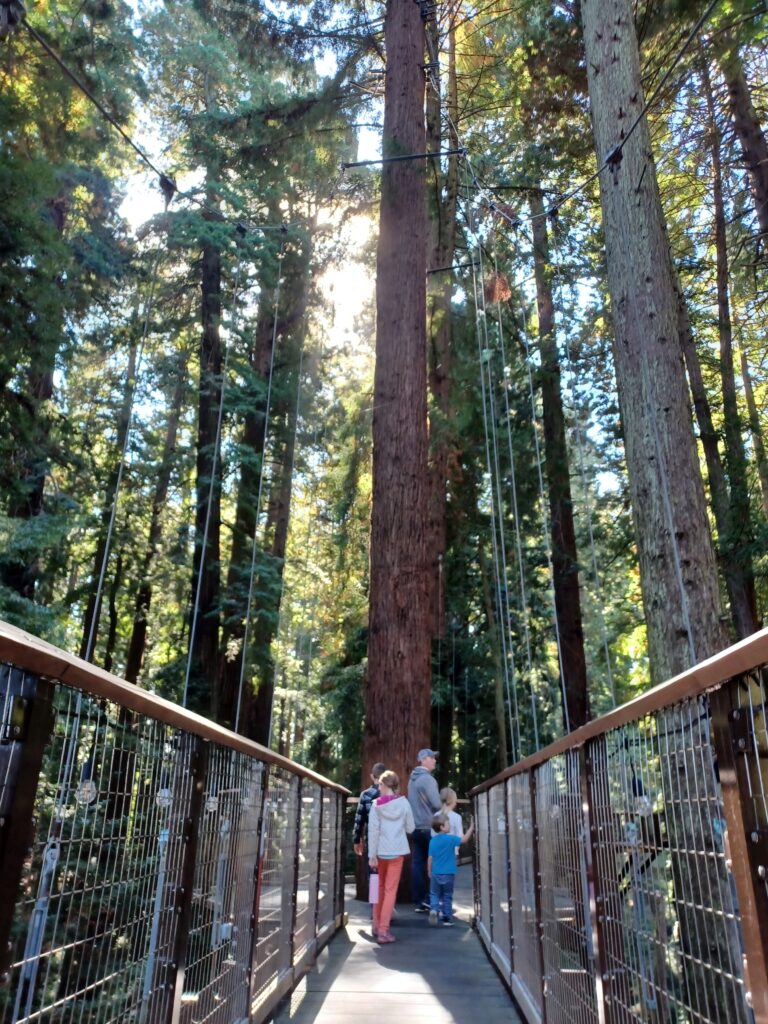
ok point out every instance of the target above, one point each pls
(756, 431)
(205, 575)
(565, 563)
(397, 699)
(677, 563)
(748, 129)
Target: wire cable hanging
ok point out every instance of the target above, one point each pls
(254, 546)
(211, 492)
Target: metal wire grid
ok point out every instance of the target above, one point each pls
(328, 868)
(308, 866)
(219, 940)
(13, 684)
(484, 874)
(669, 919)
(499, 870)
(526, 954)
(566, 935)
(276, 885)
(752, 699)
(89, 934)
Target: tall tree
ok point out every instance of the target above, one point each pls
(677, 565)
(397, 704)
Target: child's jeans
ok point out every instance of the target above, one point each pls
(441, 892)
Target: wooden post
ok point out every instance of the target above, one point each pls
(747, 841)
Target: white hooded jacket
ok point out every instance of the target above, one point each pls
(388, 827)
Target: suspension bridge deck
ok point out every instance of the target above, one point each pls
(437, 974)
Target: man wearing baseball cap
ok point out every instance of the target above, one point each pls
(424, 798)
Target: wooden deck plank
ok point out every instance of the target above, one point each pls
(435, 974)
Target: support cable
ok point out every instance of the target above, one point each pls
(211, 492)
(123, 454)
(254, 545)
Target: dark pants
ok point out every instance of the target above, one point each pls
(420, 852)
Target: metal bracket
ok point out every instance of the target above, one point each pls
(15, 728)
(758, 839)
(742, 735)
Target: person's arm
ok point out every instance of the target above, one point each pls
(410, 824)
(373, 836)
(433, 795)
(468, 834)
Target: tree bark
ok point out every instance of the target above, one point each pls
(737, 538)
(204, 612)
(677, 563)
(748, 128)
(756, 431)
(397, 700)
(565, 562)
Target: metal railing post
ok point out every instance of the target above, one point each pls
(22, 745)
(507, 834)
(341, 846)
(296, 869)
(603, 986)
(489, 842)
(257, 875)
(747, 838)
(319, 870)
(198, 767)
(537, 894)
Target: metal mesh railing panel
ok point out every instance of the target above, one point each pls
(277, 876)
(751, 699)
(219, 940)
(309, 847)
(483, 846)
(93, 932)
(526, 955)
(670, 927)
(328, 861)
(499, 870)
(567, 946)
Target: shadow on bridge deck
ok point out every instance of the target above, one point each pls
(436, 975)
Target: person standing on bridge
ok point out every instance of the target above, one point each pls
(424, 798)
(389, 824)
(360, 830)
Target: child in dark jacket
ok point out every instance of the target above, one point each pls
(441, 865)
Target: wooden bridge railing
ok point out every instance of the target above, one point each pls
(621, 872)
(154, 867)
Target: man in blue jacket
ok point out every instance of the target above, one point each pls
(424, 798)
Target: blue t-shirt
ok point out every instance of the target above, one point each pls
(442, 850)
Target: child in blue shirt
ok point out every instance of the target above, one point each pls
(441, 866)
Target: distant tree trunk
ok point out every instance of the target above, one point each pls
(143, 601)
(756, 431)
(565, 561)
(739, 536)
(115, 585)
(677, 563)
(93, 607)
(502, 760)
(295, 292)
(397, 700)
(748, 128)
(204, 640)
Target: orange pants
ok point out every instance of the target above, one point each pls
(389, 879)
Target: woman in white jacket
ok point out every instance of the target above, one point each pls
(389, 824)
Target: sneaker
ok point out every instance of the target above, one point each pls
(447, 923)
(433, 917)
(421, 908)
(385, 937)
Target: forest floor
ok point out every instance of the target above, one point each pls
(440, 975)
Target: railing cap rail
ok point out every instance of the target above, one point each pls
(742, 657)
(28, 652)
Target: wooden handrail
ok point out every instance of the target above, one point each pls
(31, 654)
(707, 675)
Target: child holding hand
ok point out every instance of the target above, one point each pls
(441, 866)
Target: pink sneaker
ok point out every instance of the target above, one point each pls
(386, 937)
